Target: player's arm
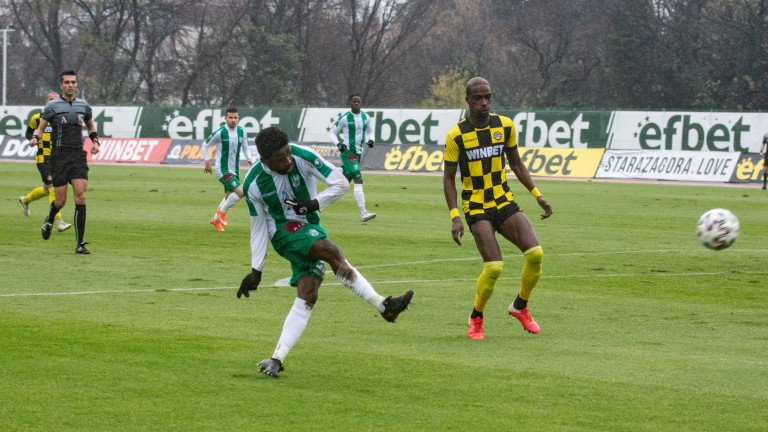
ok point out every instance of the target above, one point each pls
(338, 185)
(247, 149)
(334, 134)
(449, 190)
(521, 172)
(92, 134)
(35, 139)
(33, 122)
(763, 145)
(367, 133)
(206, 154)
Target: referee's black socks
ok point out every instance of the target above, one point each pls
(52, 213)
(80, 222)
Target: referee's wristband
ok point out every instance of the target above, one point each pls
(454, 213)
(535, 192)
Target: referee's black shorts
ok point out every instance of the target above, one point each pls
(68, 164)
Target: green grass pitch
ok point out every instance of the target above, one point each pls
(643, 329)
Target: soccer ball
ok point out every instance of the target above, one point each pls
(718, 228)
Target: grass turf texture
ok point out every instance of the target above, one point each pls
(643, 328)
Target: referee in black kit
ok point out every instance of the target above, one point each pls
(69, 163)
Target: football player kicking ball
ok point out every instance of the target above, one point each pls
(283, 201)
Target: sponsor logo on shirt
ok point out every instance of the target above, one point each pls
(485, 152)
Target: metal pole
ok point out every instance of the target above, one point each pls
(5, 63)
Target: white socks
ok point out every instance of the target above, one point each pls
(294, 326)
(360, 198)
(227, 203)
(364, 289)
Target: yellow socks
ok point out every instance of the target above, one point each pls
(35, 195)
(486, 283)
(40, 192)
(531, 271)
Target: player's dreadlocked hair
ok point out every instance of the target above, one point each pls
(270, 140)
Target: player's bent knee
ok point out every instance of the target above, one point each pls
(534, 255)
(493, 269)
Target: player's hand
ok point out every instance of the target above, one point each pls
(545, 205)
(370, 143)
(457, 230)
(341, 147)
(37, 141)
(249, 283)
(208, 169)
(95, 146)
(302, 207)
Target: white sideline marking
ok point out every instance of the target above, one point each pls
(421, 281)
(286, 281)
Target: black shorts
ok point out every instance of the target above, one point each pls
(496, 216)
(45, 172)
(67, 165)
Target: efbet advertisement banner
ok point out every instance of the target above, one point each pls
(429, 158)
(667, 165)
(387, 126)
(617, 130)
(118, 122)
(555, 129)
(560, 129)
(749, 169)
(686, 131)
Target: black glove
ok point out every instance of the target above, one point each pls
(249, 283)
(302, 207)
(341, 147)
(370, 143)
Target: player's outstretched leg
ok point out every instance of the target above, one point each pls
(24, 206)
(393, 306)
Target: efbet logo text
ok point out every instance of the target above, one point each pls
(681, 133)
(415, 158)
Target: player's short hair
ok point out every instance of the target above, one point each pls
(231, 110)
(353, 95)
(67, 72)
(475, 82)
(270, 140)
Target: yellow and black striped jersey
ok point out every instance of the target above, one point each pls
(479, 154)
(44, 146)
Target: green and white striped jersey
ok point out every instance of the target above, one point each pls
(354, 130)
(228, 143)
(265, 192)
